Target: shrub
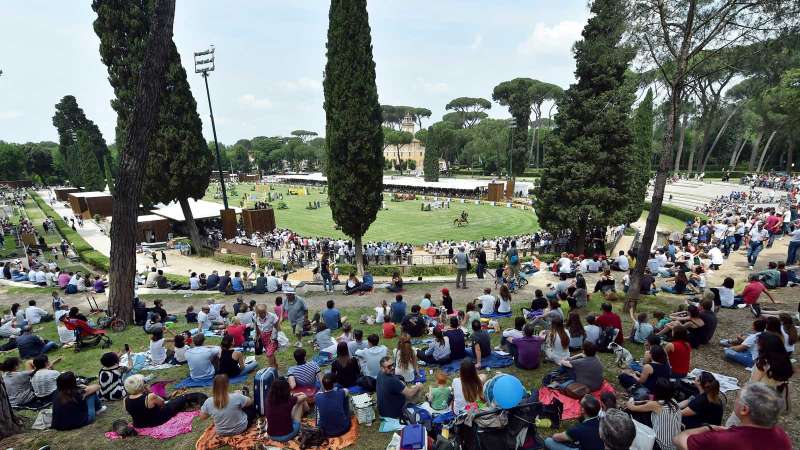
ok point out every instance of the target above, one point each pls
(243, 260)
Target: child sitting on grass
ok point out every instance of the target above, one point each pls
(440, 394)
(389, 330)
(661, 320)
(191, 316)
(641, 329)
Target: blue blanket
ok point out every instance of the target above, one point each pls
(323, 359)
(495, 361)
(497, 315)
(189, 382)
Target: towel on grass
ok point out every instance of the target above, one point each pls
(142, 361)
(180, 424)
(495, 361)
(189, 382)
(572, 406)
(497, 315)
(726, 383)
(209, 440)
(323, 359)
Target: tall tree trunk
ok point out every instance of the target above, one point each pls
(682, 140)
(530, 148)
(751, 165)
(739, 154)
(580, 238)
(736, 149)
(790, 156)
(399, 161)
(701, 151)
(359, 255)
(692, 151)
(133, 158)
(194, 234)
(719, 134)
(764, 152)
(10, 424)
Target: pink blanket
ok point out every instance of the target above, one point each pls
(180, 424)
(572, 407)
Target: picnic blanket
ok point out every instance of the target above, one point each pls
(180, 424)
(190, 382)
(495, 361)
(726, 383)
(323, 359)
(142, 361)
(572, 406)
(207, 333)
(209, 440)
(497, 315)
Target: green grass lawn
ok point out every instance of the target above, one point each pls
(403, 221)
(667, 222)
(87, 363)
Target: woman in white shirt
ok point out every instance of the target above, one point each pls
(468, 388)
(405, 360)
(505, 300)
(556, 341)
(380, 312)
(194, 282)
(726, 293)
(159, 354)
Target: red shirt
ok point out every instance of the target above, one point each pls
(773, 223)
(237, 333)
(752, 291)
(609, 319)
(679, 357)
(388, 330)
(741, 438)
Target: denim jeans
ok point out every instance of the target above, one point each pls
(552, 444)
(753, 251)
(327, 283)
(50, 346)
(771, 239)
(791, 257)
(744, 358)
(249, 367)
(93, 404)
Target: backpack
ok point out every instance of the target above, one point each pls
(311, 437)
(607, 336)
(514, 259)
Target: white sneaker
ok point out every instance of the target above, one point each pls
(102, 410)
(749, 267)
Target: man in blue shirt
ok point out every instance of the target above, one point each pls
(333, 409)
(585, 435)
(398, 309)
(31, 346)
(392, 391)
(201, 359)
(331, 316)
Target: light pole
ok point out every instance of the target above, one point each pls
(512, 123)
(203, 67)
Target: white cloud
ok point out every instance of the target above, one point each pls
(549, 40)
(477, 41)
(302, 84)
(7, 115)
(251, 101)
(432, 87)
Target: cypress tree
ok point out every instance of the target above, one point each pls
(109, 177)
(430, 164)
(179, 166)
(91, 175)
(353, 134)
(642, 151)
(70, 121)
(589, 158)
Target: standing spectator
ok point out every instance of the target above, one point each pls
(297, 312)
(461, 260)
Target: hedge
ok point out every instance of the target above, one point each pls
(243, 260)
(684, 215)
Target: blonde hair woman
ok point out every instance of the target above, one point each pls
(231, 412)
(148, 409)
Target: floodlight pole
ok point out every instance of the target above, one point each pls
(511, 125)
(202, 67)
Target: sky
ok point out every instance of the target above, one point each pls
(270, 57)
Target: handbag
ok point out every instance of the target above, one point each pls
(259, 347)
(576, 390)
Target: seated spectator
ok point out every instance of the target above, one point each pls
(31, 346)
(743, 350)
(771, 277)
(584, 435)
(641, 329)
(487, 301)
(331, 316)
(154, 324)
(680, 284)
(584, 368)
(704, 408)
(304, 373)
(74, 406)
(539, 301)
(457, 339)
(481, 345)
(35, 315)
(148, 409)
(727, 294)
(370, 357)
(44, 378)
(158, 353)
(651, 372)
(751, 292)
(679, 352)
(99, 286)
(405, 359)
(352, 285)
(206, 321)
(591, 331)
(703, 334)
(333, 408)
(468, 388)
(191, 316)
(606, 283)
(345, 370)
(772, 366)
(236, 330)
(757, 409)
(621, 263)
(158, 307)
(609, 319)
(179, 348)
(284, 411)
(439, 350)
(237, 284)
(202, 359)
(212, 282)
(231, 362)
(576, 331)
(556, 341)
(225, 283)
(510, 333)
(194, 282)
(18, 383)
(231, 412)
(414, 324)
(526, 349)
(664, 412)
(392, 392)
(690, 319)
(112, 376)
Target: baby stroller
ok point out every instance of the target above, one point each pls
(494, 429)
(86, 336)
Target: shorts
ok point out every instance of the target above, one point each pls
(298, 329)
(270, 345)
(288, 437)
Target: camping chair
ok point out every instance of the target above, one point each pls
(86, 336)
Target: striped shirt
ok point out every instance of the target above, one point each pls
(666, 424)
(305, 374)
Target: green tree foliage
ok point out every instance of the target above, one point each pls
(304, 135)
(445, 139)
(784, 102)
(642, 151)
(240, 159)
(91, 175)
(12, 161)
(586, 180)
(430, 163)
(179, 163)
(396, 139)
(39, 159)
(69, 120)
(518, 96)
(487, 146)
(467, 111)
(393, 115)
(353, 133)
